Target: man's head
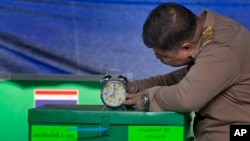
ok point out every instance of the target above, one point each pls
(169, 30)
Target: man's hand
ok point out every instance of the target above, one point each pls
(135, 99)
(131, 87)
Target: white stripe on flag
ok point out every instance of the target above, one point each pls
(56, 97)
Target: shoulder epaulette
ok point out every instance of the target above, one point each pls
(207, 35)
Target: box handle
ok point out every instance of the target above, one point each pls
(101, 130)
(105, 125)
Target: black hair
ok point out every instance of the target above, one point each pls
(168, 26)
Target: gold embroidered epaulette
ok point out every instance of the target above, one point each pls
(207, 35)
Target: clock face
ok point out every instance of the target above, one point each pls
(113, 93)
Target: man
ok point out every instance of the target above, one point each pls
(215, 79)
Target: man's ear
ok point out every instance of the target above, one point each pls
(187, 47)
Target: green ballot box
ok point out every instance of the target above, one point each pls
(93, 123)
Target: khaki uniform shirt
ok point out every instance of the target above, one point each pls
(217, 86)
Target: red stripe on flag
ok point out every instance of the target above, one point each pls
(56, 92)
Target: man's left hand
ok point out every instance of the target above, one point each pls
(135, 99)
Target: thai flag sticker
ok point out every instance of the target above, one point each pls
(61, 96)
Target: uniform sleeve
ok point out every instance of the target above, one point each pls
(213, 72)
(162, 80)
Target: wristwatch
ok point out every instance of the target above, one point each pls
(145, 101)
(113, 89)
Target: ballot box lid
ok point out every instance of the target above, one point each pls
(96, 114)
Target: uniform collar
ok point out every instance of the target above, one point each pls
(209, 22)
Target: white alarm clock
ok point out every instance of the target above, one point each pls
(113, 89)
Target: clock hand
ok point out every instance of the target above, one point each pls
(109, 96)
(114, 90)
(113, 93)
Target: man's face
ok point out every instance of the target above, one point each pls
(174, 58)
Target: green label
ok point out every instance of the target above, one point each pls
(155, 133)
(53, 133)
